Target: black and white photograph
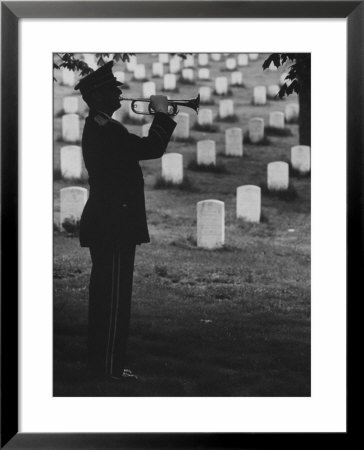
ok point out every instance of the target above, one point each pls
(182, 239)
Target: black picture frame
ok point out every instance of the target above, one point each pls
(11, 12)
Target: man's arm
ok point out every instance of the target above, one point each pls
(155, 144)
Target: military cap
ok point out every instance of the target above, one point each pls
(101, 77)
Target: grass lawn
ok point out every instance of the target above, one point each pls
(231, 322)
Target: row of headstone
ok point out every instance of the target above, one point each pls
(206, 148)
(203, 59)
(261, 93)
(210, 213)
(211, 216)
(175, 63)
(172, 163)
(277, 172)
(221, 83)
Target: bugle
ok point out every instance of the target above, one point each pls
(193, 103)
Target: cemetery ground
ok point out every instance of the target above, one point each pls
(228, 322)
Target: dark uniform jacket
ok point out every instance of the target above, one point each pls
(115, 210)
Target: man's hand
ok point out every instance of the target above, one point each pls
(159, 103)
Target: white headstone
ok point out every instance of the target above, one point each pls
(68, 77)
(292, 112)
(169, 81)
(182, 130)
(248, 203)
(139, 72)
(205, 116)
(70, 128)
(226, 108)
(145, 129)
(230, 63)
(157, 69)
(253, 56)
(243, 60)
(73, 200)
(276, 119)
(221, 85)
(234, 141)
(205, 94)
(216, 56)
(260, 95)
(70, 105)
(206, 152)
(164, 58)
(301, 158)
(90, 60)
(278, 176)
(210, 224)
(71, 161)
(148, 89)
(203, 59)
(175, 64)
(237, 78)
(189, 61)
(256, 129)
(120, 76)
(187, 74)
(131, 64)
(172, 167)
(204, 74)
(272, 90)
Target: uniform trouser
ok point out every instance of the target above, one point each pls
(109, 307)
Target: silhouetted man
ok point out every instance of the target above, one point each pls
(113, 221)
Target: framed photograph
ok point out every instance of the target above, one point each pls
(227, 137)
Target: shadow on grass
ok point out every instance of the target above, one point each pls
(186, 81)
(137, 80)
(207, 102)
(229, 93)
(189, 140)
(175, 90)
(231, 118)
(209, 128)
(288, 195)
(190, 243)
(294, 173)
(262, 142)
(186, 185)
(273, 131)
(213, 168)
(76, 142)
